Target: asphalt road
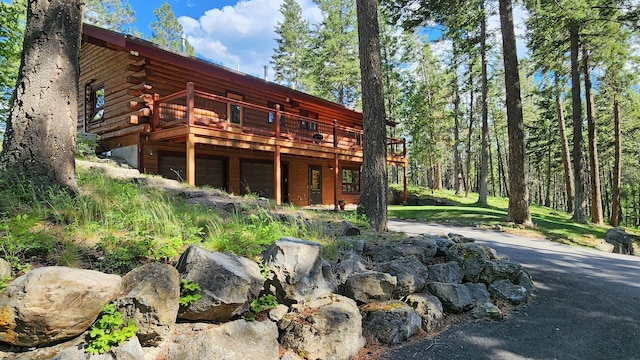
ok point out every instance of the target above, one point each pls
(588, 305)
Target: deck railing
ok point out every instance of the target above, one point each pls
(192, 107)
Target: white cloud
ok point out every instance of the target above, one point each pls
(241, 35)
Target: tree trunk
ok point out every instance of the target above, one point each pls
(484, 171)
(502, 179)
(594, 166)
(374, 167)
(547, 196)
(568, 174)
(467, 182)
(457, 181)
(518, 189)
(40, 139)
(579, 211)
(617, 170)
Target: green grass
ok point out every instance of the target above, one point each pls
(552, 224)
(115, 225)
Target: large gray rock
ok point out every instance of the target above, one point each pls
(298, 272)
(524, 279)
(505, 290)
(328, 328)
(368, 286)
(229, 284)
(410, 273)
(479, 292)
(472, 258)
(390, 322)
(456, 298)
(486, 311)
(50, 304)
(500, 269)
(449, 272)
(348, 266)
(621, 241)
(151, 300)
(128, 350)
(235, 340)
(429, 308)
(5, 269)
(423, 249)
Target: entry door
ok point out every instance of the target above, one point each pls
(315, 185)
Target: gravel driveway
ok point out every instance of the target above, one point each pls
(588, 305)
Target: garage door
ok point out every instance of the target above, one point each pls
(209, 171)
(257, 178)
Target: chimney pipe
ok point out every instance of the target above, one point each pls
(266, 70)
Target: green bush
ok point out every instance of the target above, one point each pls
(109, 330)
(189, 292)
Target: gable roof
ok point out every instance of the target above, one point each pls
(118, 41)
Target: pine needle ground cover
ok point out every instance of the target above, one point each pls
(549, 223)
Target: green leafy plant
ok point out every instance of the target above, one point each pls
(265, 270)
(4, 282)
(109, 330)
(189, 292)
(264, 303)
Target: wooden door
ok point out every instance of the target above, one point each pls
(315, 185)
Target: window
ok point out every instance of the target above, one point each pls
(308, 125)
(272, 114)
(234, 112)
(350, 180)
(95, 104)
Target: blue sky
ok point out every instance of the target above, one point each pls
(240, 34)
(236, 34)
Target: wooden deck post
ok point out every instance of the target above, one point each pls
(335, 133)
(404, 181)
(277, 121)
(336, 179)
(190, 103)
(191, 159)
(156, 111)
(277, 175)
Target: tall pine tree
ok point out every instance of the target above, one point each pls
(114, 15)
(167, 31)
(290, 57)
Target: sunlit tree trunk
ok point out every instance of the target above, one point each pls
(484, 162)
(617, 170)
(40, 139)
(594, 163)
(566, 161)
(579, 207)
(374, 169)
(518, 211)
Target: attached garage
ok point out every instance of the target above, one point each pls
(257, 177)
(209, 171)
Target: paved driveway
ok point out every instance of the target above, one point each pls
(588, 305)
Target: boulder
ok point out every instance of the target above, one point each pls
(235, 340)
(298, 272)
(410, 273)
(455, 298)
(229, 284)
(429, 308)
(328, 328)
(449, 272)
(368, 286)
(500, 269)
(5, 269)
(472, 258)
(346, 267)
(390, 322)
(128, 350)
(524, 279)
(290, 355)
(486, 311)
(347, 228)
(151, 300)
(54, 303)
(423, 249)
(621, 241)
(479, 292)
(504, 289)
(460, 239)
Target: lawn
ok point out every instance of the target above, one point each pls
(555, 225)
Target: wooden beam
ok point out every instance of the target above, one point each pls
(191, 160)
(277, 178)
(404, 182)
(336, 181)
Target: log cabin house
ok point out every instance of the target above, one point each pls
(188, 119)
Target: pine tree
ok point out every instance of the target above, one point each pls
(167, 31)
(114, 15)
(335, 69)
(293, 47)
(12, 20)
